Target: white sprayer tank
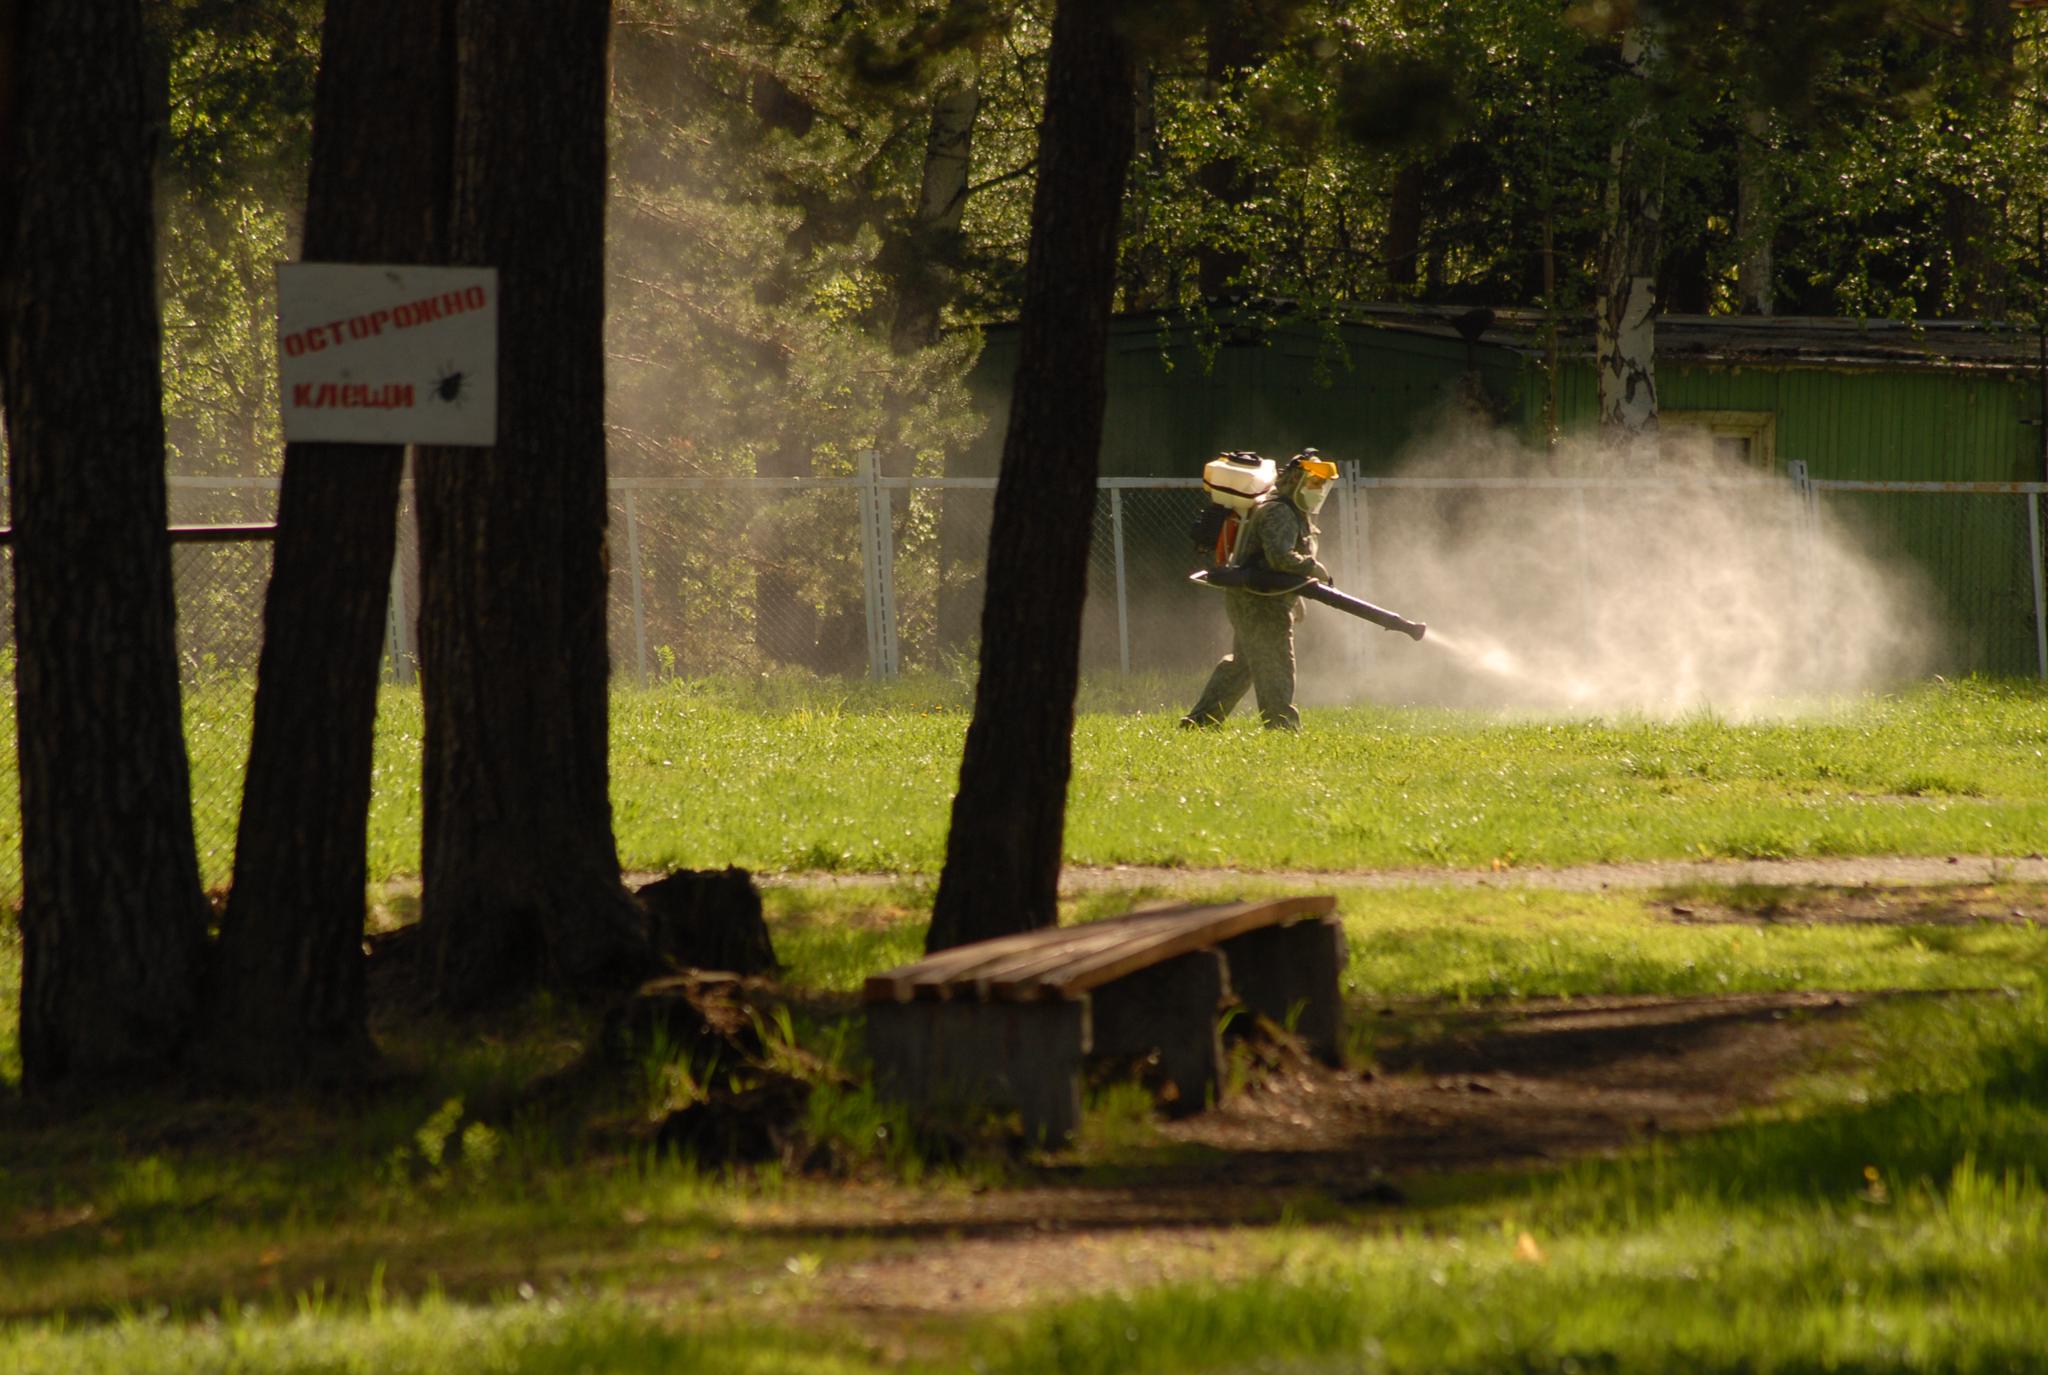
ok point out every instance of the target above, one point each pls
(1237, 481)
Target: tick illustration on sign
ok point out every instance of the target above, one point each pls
(448, 385)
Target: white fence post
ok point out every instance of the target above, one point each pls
(1354, 558)
(1808, 516)
(633, 577)
(1809, 504)
(1123, 610)
(1586, 616)
(2040, 604)
(876, 553)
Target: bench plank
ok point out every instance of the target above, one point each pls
(1066, 961)
(1092, 939)
(1077, 976)
(928, 976)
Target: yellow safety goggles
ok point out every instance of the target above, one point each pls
(1318, 470)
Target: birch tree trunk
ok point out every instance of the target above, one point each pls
(1626, 343)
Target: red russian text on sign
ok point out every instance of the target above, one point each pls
(320, 395)
(369, 325)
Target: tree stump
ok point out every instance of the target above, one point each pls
(709, 919)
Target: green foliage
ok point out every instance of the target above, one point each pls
(240, 108)
(758, 184)
(444, 1150)
(1498, 110)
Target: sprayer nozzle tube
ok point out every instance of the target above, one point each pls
(1266, 580)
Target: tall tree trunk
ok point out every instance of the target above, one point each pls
(113, 920)
(1144, 280)
(1625, 348)
(288, 973)
(1403, 247)
(1755, 215)
(521, 871)
(1239, 35)
(934, 238)
(1009, 815)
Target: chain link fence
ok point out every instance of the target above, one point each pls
(878, 577)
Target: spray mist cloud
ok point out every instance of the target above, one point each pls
(1591, 580)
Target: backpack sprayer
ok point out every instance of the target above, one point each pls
(1236, 483)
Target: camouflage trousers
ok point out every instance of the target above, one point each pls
(1261, 659)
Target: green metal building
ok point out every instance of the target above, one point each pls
(1878, 399)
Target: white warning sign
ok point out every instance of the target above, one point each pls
(376, 354)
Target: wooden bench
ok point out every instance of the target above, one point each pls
(1008, 1023)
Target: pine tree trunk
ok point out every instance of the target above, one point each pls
(1142, 280)
(1403, 251)
(1755, 217)
(521, 871)
(1235, 44)
(1003, 852)
(113, 920)
(934, 231)
(288, 1004)
(1626, 344)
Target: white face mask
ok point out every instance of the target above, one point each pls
(1310, 497)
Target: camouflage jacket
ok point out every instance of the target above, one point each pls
(1279, 536)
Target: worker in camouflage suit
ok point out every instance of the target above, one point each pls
(1280, 534)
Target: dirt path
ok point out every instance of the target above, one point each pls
(1493, 1089)
(1847, 870)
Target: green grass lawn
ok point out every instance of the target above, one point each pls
(795, 775)
(865, 784)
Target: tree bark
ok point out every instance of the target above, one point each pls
(1144, 282)
(113, 920)
(1009, 815)
(1626, 343)
(1236, 39)
(288, 1002)
(520, 868)
(1403, 247)
(934, 239)
(1755, 217)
